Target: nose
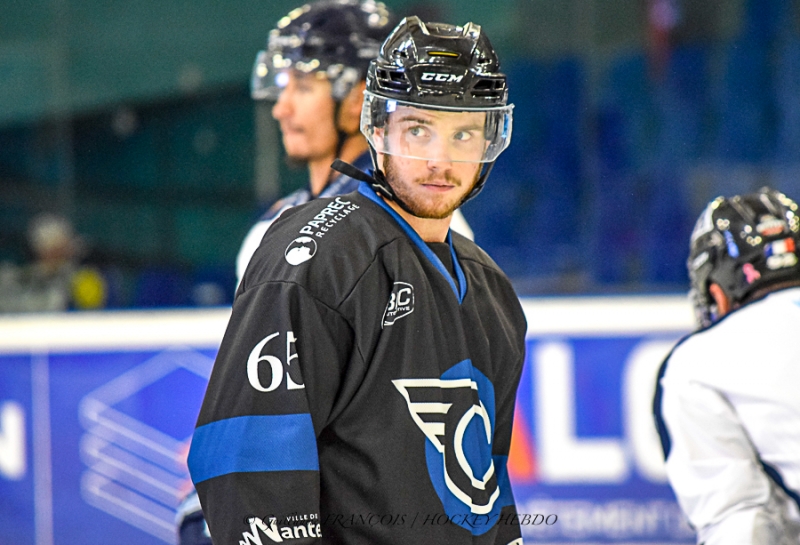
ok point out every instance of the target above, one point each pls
(282, 107)
(440, 155)
(439, 165)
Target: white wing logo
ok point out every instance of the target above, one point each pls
(445, 424)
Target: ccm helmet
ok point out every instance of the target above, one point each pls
(337, 38)
(743, 243)
(445, 68)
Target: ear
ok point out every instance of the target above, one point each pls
(378, 134)
(722, 300)
(350, 109)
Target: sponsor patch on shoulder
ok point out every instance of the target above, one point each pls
(401, 303)
(300, 250)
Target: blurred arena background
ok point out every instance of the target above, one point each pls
(133, 121)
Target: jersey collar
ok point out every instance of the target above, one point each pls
(461, 289)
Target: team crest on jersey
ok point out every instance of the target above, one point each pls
(300, 250)
(456, 413)
(401, 303)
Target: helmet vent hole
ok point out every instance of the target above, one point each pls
(487, 87)
(393, 79)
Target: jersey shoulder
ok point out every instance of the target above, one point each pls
(482, 269)
(324, 245)
(467, 249)
(474, 258)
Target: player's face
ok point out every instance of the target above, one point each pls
(453, 142)
(305, 111)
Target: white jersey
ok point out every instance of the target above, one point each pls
(728, 411)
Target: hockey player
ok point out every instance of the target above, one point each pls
(364, 389)
(316, 79)
(727, 406)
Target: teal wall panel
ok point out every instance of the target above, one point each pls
(74, 55)
(132, 231)
(206, 236)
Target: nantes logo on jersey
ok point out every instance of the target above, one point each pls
(457, 415)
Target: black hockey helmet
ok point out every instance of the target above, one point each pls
(743, 243)
(437, 66)
(338, 38)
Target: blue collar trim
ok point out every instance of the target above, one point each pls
(460, 291)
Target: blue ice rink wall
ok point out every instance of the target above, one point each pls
(97, 411)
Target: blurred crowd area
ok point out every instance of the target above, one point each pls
(630, 116)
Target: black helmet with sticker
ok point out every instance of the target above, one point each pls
(743, 243)
(336, 38)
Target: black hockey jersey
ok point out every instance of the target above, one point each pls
(362, 393)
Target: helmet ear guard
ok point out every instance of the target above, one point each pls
(744, 244)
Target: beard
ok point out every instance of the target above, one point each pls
(426, 209)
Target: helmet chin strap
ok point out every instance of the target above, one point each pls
(378, 182)
(485, 170)
(375, 178)
(341, 135)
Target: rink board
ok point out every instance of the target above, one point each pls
(97, 411)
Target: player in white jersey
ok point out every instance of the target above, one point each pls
(727, 403)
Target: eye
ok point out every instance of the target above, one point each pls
(462, 136)
(417, 131)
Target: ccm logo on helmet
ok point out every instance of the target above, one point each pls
(438, 76)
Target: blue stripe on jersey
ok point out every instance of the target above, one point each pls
(246, 444)
(461, 290)
(462, 280)
(658, 415)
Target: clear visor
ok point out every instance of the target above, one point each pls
(409, 130)
(271, 74)
(269, 79)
